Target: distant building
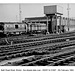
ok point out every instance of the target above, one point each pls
(36, 20)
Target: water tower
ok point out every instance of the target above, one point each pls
(53, 13)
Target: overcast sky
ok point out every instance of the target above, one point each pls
(10, 12)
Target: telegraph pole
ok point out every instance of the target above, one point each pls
(68, 23)
(16, 18)
(20, 12)
(47, 24)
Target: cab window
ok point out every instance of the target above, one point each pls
(25, 27)
(1, 28)
(16, 26)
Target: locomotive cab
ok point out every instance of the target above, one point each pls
(1, 29)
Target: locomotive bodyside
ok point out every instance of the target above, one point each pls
(14, 28)
(43, 28)
(37, 27)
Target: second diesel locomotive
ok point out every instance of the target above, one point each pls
(37, 28)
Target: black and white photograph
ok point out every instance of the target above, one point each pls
(37, 34)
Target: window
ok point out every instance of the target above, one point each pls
(22, 25)
(16, 26)
(7, 25)
(11, 25)
(1, 28)
(25, 27)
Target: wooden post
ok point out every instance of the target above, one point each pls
(60, 24)
(51, 25)
(56, 25)
(47, 26)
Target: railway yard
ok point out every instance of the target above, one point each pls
(40, 50)
(38, 41)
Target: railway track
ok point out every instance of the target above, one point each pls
(42, 49)
(27, 49)
(22, 39)
(59, 58)
(39, 42)
(44, 38)
(40, 39)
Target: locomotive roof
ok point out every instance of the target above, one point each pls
(11, 23)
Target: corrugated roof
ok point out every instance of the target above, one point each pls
(35, 18)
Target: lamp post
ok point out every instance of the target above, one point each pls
(68, 23)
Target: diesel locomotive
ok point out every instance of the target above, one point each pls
(14, 28)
